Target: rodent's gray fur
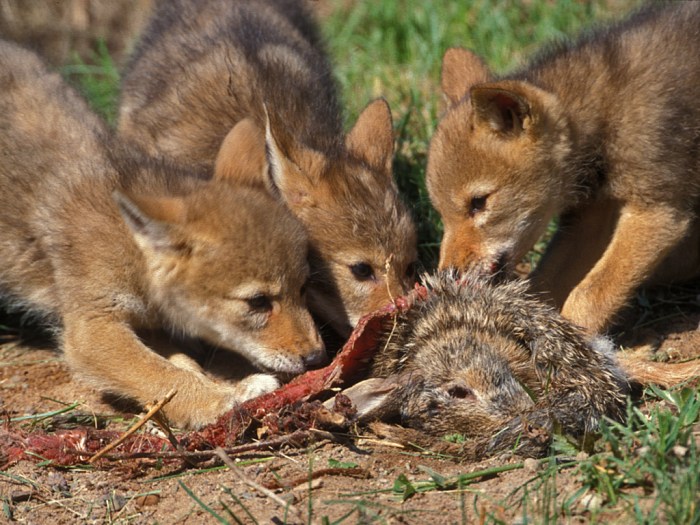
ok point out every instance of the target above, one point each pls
(487, 360)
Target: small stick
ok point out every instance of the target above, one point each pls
(205, 454)
(160, 404)
(163, 424)
(267, 492)
(353, 472)
(387, 269)
(324, 434)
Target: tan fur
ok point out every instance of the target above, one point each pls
(666, 375)
(602, 132)
(242, 155)
(204, 68)
(104, 242)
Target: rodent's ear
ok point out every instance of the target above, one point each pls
(375, 398)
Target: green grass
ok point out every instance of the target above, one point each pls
(98, 81)
(656, 452)
(645, 471)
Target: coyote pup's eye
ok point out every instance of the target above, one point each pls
(362, 271)
(477, 204)
(411, 270)
(260, 303)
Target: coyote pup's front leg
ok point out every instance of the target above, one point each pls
(642, 239)
(107, 353)
(578, 244)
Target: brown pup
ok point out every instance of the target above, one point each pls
(603, 132)
(103, 242)
(208, 69)
(490, 362)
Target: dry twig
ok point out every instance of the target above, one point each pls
(293, 439)
(152, 412)
(351, 472)
(252, 484)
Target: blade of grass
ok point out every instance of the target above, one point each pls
(203, 505)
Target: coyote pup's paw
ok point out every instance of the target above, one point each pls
(256, 385)
(204, 402)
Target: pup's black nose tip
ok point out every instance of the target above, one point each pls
(316, 358)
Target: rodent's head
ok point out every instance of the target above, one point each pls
(446, 368)
(484, 359)
(464, 385)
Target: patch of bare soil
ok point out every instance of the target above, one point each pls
(357, 480)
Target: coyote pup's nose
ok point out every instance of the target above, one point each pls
(315, 358)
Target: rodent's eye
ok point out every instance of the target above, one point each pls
(460, 391)
(477, 204)
(362, 271)
(304, 287)
(260, 303)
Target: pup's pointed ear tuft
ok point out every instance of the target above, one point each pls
(151, 220)
(293, 172)
(462, 69)
(372, 137)
(241, 158)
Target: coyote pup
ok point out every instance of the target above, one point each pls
(208, 69)
(103, 242)
(605, 133)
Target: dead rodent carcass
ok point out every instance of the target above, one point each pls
(488, 361)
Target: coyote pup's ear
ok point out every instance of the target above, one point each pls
(151, 220)
(291, 173)
(372, 137)
(502, 110)
(461, 69)
(241, 157)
